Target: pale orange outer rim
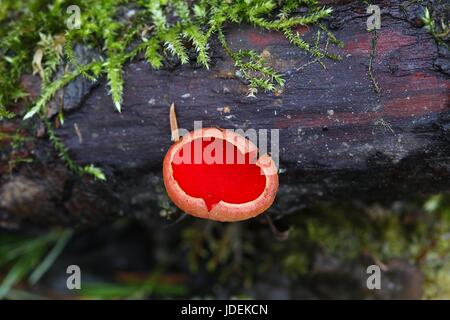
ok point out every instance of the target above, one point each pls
(222, 211)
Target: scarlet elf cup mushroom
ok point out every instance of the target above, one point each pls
(216, 174)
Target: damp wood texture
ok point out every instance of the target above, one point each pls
(374, 126)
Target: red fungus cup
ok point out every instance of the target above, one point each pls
(216, 174)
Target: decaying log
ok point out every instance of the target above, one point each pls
(339, 137)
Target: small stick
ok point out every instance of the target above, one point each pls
(173, 123)
(378, 262)
(177, 221)
(78, 132)
(279, 235)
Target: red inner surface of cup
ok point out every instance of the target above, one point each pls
(215, 169)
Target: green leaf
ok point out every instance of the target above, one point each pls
(5, 114)
(175, 46)
(199, 40)
(97, 173)
(152, 54)
(115, 81)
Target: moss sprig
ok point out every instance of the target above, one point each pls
(161, 28)
(63, 153)
(440, 30)
(34, 37)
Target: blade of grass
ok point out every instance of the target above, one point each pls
(48, 261)
(152, 285)
(20, 269)
(24, 295)
(14, 248)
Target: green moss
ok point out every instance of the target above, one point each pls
(417, 232)
(64, 155)
(158, 28)
(295, 263)
(166, 207)
(34, 38)
(12, 145)
(239, 256)
(436, 24)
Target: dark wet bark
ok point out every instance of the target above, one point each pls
(339, 138)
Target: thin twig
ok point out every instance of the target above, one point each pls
(177, 221)
(279, 235)
(372, 56)
(173, 123)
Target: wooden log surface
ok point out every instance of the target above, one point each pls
(340, 139)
